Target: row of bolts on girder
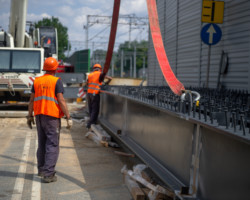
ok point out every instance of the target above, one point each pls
(227, 108)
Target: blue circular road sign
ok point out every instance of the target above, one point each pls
(211, 34)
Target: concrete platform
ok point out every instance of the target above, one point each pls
(84, 169)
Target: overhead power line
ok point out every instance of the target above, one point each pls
(131, 20)
(98, 33)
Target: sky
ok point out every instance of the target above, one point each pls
(72, 14)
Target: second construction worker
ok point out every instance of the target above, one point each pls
(49, 106)
(94, 82)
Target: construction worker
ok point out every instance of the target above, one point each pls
(49, 106)
(94, 82)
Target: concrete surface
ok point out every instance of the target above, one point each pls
(127, 81)
(85, 170)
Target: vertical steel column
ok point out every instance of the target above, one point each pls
(122, 54)
(135, 61)
(112, 69)
(93, 53)
(124, 116)
(87, 32)
(143, 72)
(194, 168)
(131, 68)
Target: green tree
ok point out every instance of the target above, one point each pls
(62, 33)
(128, 50)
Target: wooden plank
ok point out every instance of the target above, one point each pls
(146, 177)
(134, 188)
(124, 154)
(159, 196)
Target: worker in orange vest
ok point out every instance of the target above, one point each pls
(49, 106)
(94, 82)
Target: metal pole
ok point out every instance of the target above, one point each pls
(130, 24)
(122, 63)
(131, 68)
(143, 72)
(112, 69)
(68, 49)
(208, 64)
(93, 53)
(134, 61)
(87, 32)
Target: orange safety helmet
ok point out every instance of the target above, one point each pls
(97, 66)
(50, 64)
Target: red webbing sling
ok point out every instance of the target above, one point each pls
(112, 35)
(175, 85)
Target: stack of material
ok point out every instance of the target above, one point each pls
(79, 117)
(100, 136)
(148, 190)
(100, 132)
(80, 121)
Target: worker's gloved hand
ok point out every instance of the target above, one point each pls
(69, 123)
(30, 121)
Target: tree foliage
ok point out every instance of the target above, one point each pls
(128, 49)
(62, 33)
(141, 49)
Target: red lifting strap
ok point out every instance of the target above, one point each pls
(112, 35)
(175, 85)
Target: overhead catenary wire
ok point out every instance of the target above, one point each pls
(103, 30)
(139, 34)
(132, 20)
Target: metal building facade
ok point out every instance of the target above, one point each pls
(180, 23)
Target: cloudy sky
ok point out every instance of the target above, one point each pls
(72, 14)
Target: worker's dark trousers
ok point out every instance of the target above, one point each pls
(48, 130)
(93, 105)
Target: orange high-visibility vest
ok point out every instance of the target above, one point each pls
(93, 82)
(45, 101)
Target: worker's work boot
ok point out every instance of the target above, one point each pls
(41, 174)
(49, 179)
(88, 127)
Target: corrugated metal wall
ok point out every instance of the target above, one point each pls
(236, 41)
(155, 76)
(162, 20)
(180, 23)
(188, 44)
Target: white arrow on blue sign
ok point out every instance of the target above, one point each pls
(211, 34)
